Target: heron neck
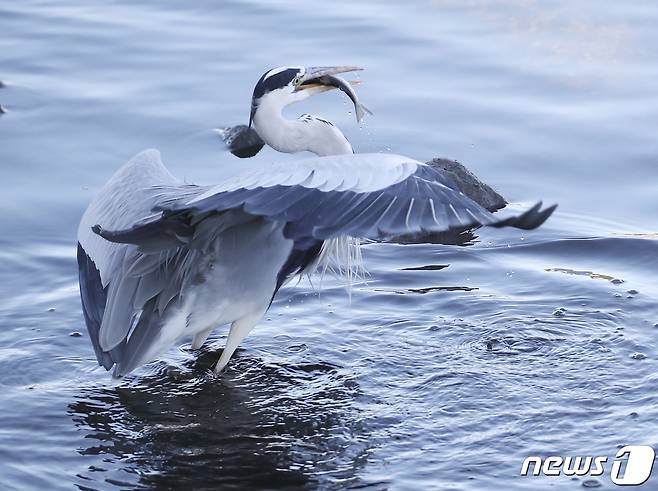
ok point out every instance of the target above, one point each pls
(299, 135)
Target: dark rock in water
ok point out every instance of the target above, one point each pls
(469, 184)
(2, 84)
(241, 140)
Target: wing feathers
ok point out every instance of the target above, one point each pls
(424, 202)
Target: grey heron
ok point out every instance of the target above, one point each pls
(160, 259)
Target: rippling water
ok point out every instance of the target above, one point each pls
(450, 364)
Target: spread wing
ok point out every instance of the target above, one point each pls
(365, 195)
(122, 285)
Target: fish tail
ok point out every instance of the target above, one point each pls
(360, 111)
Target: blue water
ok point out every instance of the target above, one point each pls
(450, 364)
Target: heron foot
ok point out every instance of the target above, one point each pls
(200, 338)
(239, 330)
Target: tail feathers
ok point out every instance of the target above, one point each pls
(343, 259)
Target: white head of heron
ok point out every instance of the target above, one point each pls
(278, 88)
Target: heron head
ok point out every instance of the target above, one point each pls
(285, 85)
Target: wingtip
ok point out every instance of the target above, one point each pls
(530, 219)
(535, 216)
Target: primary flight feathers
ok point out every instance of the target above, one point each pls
(366, 195)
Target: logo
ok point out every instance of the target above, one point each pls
(631, 466)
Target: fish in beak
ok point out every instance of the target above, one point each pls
(321, 79)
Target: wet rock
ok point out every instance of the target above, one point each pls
(639, 356)
(51, 309)
(561, 312)
(633, 292)
(616, 281)
(75, 334)
(469, 184)
(2, 109)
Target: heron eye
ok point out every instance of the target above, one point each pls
(297, 80)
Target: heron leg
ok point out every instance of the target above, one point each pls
(200, 338)
(239, 330)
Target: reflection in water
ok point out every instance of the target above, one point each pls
(591, 274)
(257, 426)
(460, 237)
(442, 288)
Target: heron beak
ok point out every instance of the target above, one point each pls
(313, 82)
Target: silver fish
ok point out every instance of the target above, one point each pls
(346, 87)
